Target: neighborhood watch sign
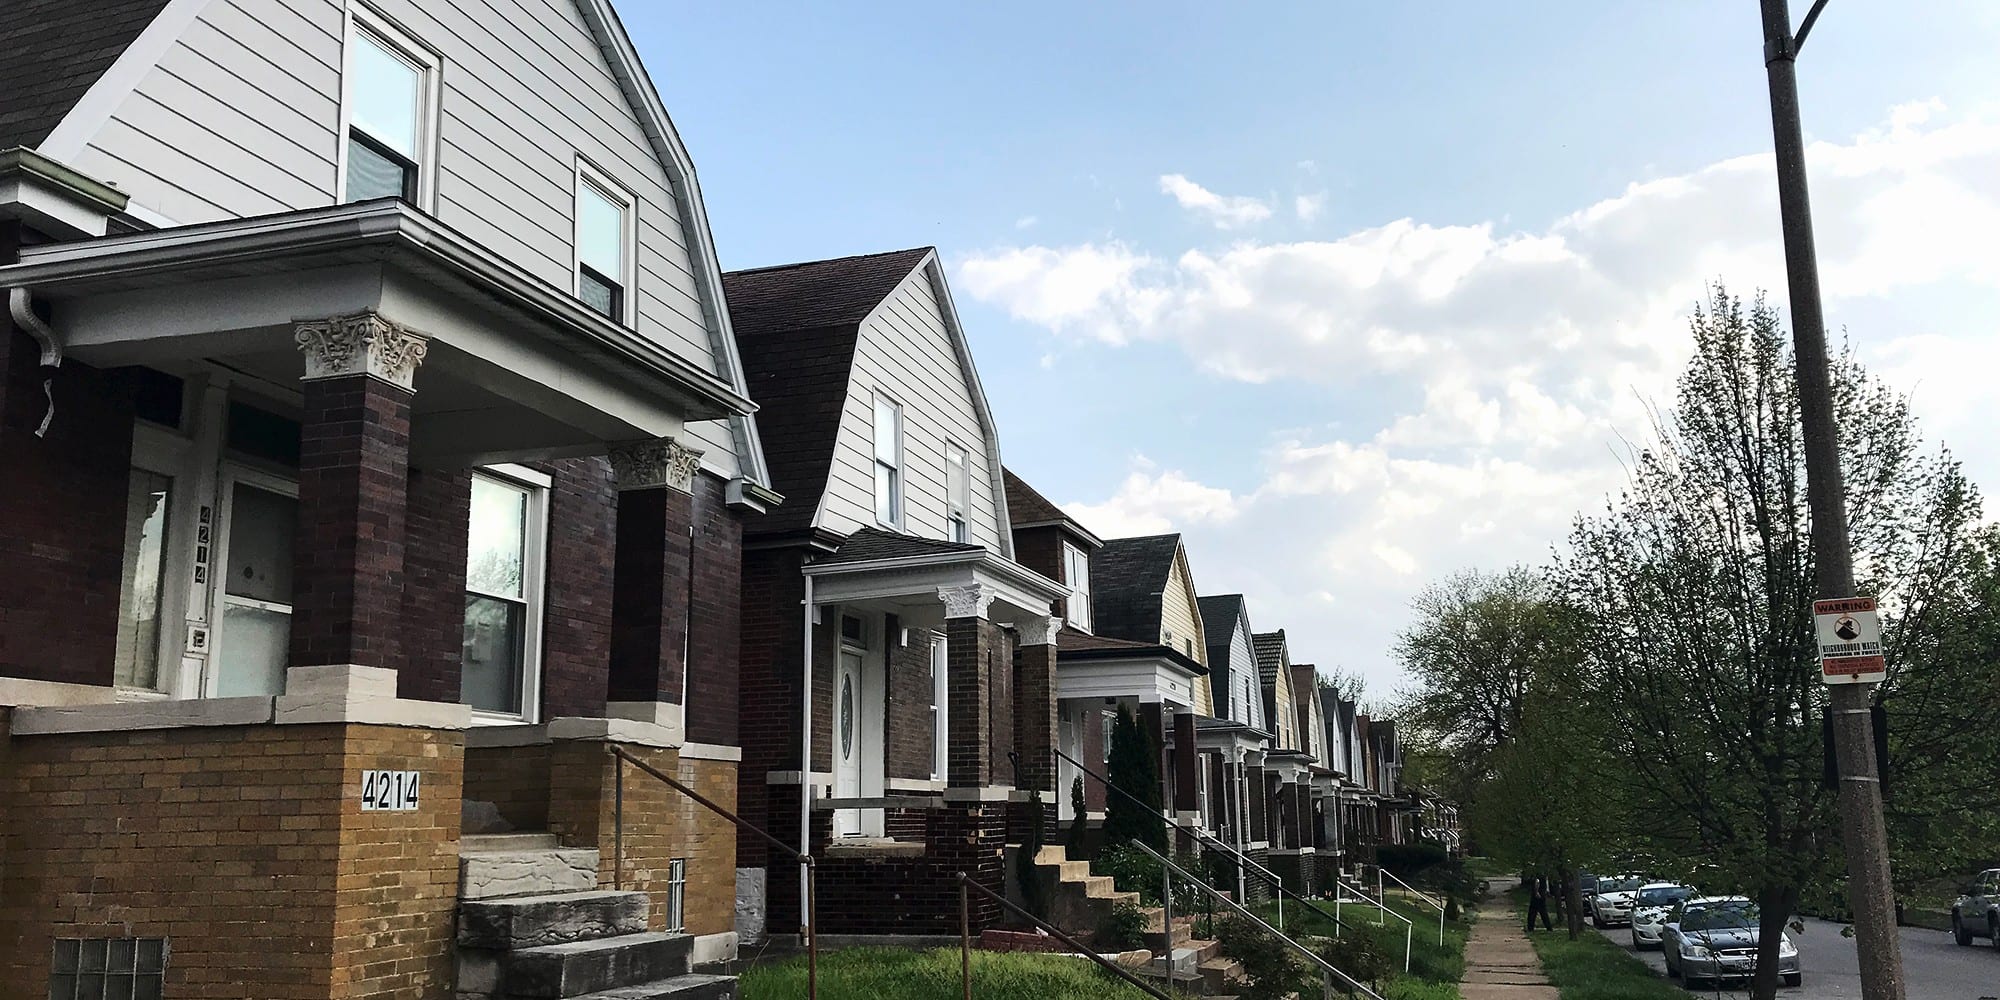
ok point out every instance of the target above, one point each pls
(1850, 641)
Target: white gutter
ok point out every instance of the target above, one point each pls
(805, 758)
(21, 304)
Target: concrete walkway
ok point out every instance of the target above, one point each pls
(1500, 964)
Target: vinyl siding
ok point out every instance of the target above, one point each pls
(906, 351)
(1288, 716)
(239, 118)
(1182, 616)
(1246, 704)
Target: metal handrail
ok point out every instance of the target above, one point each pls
(1327, 969)
(1380, 871)
(966, 886)
(1199, 836)
(1409, 932)
(618, 850)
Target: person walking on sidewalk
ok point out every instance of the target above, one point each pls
(1538, 902)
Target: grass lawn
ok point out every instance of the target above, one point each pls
(912, 974)
(1487, 868)
(1593, 968)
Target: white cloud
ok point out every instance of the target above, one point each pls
(1485, 375)
(1224, 211)
(1026, 222)
(1309, 206)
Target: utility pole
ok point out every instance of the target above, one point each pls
(1862, 830)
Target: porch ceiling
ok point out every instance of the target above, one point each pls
(516, 368)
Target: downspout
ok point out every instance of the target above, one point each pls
(21, 304)
(805, 757)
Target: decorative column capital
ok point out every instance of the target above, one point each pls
(647, 464)
(363, 343)
(969, 601)
(1039, 631)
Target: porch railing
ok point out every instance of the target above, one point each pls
(1410, 926)
(1419, 893)
(1202, 838)
(1327, 970)
(811, 916)
(966, 887)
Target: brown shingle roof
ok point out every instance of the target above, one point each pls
(51, 51)
(796, 327)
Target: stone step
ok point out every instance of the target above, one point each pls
(1220, 974)
(1100, 887)
(1204, 950)
(491, 874)
(530, 921)
(1073, 871)
(1051, 854)
(693, 986)
(490, 842)
(583, 968)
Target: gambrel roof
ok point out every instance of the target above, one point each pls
(1128, 582)
(53, 51)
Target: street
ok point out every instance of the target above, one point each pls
(1936, 969)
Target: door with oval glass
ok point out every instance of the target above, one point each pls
(847, 740)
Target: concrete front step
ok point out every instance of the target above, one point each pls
(489, 842)
(693, 986)
(575, 968)
(1219, 975)
(536, 872)
(514, 922)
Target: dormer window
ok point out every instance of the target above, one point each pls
(888, 462)
(388, 86)
(1076, 573)
(958, 494)
(603, 245)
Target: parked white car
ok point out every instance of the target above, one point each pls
(1649, 911)
(1612, 906)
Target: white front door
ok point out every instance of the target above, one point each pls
(847, 739)
(252, 647)
(1070, 739)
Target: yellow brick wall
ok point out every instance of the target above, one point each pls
(245, 847)
(660, 824)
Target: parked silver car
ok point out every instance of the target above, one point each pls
(1612, 905)
(1649, 911)
(1712, 938)
(1977, 913)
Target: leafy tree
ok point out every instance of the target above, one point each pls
(1134, 767)
(1696, 583)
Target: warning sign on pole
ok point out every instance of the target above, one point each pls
(1850, 641)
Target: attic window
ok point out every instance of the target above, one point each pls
(1076, 573)
(604, 235)
(389, 123)
(888, 463)
(958, 494)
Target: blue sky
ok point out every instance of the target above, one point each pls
(1310, 389)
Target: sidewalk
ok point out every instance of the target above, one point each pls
(1500, 964)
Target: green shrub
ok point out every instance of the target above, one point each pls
(911, 974)
(1359, 954)
(1410, 861)
(1124, 929)
(1271, 969)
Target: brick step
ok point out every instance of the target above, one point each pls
(529, 921)
(538, 872)
(693, 986)
(575, 968)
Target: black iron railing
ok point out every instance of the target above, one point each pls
(810, 917)
(966, 887)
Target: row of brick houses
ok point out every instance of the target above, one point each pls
(393, 475)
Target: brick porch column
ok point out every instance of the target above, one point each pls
(650, 567)
(1035, 724)
(968, 834)
(354, 467)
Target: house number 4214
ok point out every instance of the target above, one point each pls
(392, 791)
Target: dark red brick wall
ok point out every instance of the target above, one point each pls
(347, 557)
(980, 676)
(434, 584)
(771, 591)
(649, 594)
(715, 653)
(576, 631)
(907, 895)
(907, 738)
(1035, 718)
(1040, 549)
(1186, 759)
(62, 515)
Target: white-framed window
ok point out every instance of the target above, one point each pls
(1076, 573)
(958, 494)
(1110, 727)
(389, 98)
(604, 244)
(676, 895)
(940, 711)
(505, 575)
(888, 462)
